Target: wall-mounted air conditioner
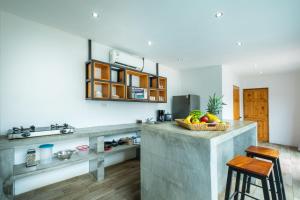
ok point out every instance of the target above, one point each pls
(125, 59)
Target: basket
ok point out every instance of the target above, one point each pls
(203, 127)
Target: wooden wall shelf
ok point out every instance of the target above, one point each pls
(110, 82)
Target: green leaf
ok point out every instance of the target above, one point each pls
(215, 104)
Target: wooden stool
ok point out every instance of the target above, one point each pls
(250, 167)
(272, 155)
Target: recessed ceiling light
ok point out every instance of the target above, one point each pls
(219, 14)
(149, 43)
(95, 15)
(239, 43)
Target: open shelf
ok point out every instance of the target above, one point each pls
(117, 74)
(111, 82)
(153, 82)
(21, 170)
(137, 93)
(101, 90)
(153, 95)
(101, 71)
(162, 95)
(162, 83)
(137, 79)
(121, 148)
(117, 91)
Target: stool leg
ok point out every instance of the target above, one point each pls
(228, 184)
(281, 179)
(265, 188)
(244, 187)
(272, 186)
(237, 185)
(249, 178)
(277, 180)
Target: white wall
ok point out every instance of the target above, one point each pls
(42, 81)
(229, 79)
(284, 110)
(203, 82)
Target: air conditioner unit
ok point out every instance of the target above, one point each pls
(125, 59)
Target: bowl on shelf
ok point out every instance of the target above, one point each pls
(65, 154)
(83, 150)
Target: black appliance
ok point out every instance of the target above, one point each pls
(168, 117)
(183, 105)
(161, 115)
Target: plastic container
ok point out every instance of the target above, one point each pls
(83, 150)
(46, 153)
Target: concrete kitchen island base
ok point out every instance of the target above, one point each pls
(181, 164)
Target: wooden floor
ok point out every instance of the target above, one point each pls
(123, 182)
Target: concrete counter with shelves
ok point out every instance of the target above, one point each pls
(10, 172)
(181, 164)
(79, 133)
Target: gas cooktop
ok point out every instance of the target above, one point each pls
(32, 131)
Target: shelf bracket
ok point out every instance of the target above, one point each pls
(89, 49)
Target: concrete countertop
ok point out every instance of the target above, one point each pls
(236, 128)
(79, 133)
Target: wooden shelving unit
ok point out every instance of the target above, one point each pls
(110, 82)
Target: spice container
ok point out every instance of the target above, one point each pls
(46, 153)
(30, 158)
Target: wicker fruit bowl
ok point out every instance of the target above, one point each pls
(204, 126)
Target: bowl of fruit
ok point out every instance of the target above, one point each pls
(209, 121)
(200, 121)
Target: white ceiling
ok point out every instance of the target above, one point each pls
(185, 30)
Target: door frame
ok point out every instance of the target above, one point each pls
(268, 106)
(236, 87)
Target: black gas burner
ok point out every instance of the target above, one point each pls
(23, 130)
(57, 126)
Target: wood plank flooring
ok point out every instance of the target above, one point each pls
(123, 182)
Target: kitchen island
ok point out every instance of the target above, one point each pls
(181, 164)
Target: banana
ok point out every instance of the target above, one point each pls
(213, 118)
(187, 120)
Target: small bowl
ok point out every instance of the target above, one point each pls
(83, 150)
(65, 154)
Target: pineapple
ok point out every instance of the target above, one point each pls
(215, 104)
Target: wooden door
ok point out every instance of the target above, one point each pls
(256, 108)
(236, 103)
